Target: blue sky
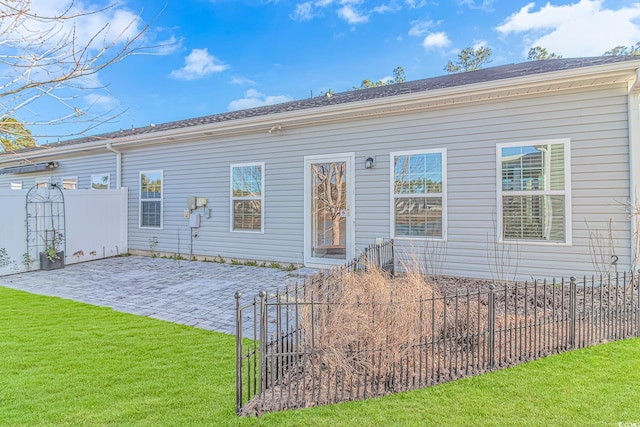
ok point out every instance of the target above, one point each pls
(213, 56)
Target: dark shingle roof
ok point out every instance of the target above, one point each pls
(483, 75)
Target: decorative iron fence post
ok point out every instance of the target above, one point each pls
(491, 320)
(393, 259)
(572, 312)
(263, 341)
(238, 295)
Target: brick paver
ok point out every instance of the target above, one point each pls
(193, 293)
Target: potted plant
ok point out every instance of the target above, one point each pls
(52, 258)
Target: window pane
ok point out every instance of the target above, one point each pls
(100, 182)
(534, 217)
(557, 167)
(69, 183)
(418, 216)
(247, 181)
(151, 213)
(151, 185)
(247, 215)
(418, 174)
(533, 168)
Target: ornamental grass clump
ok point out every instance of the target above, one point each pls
(367, 323)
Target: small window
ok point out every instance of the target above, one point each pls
(151, 199)
(16, 185)
(533, 193)
(247, 197)
(100, 181)
(70, 183)
(418, 182)
(42, 182)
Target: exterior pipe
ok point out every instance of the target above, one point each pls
(634, 164)
(118, 164)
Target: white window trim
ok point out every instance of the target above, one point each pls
(443, 195)
(161, 200)
(62, 180)
(567, 192)
(15, 184)
(100, 174)
(261, 198)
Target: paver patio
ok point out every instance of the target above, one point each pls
(193, 293)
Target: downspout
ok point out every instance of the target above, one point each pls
(118, 164)
(634, 164)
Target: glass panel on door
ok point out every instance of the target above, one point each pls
(329, 210)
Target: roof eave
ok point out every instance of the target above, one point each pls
(542, 82)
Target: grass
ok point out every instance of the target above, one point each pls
(67, 363)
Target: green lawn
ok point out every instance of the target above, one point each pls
(66, 363)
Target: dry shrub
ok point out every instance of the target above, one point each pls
(363, 313)
(465, 326)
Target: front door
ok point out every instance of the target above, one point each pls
(329, 209)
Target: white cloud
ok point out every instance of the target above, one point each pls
(347, 10)
(415, 4)
(165, 47)
(436, 41)
(241, 81)
(477, 44)
(253, 98)
(199, 64)
(351, 15)
(303, 12)
(92, 25)
(103, 101)
(420, 28)
(584, 28)
(483, 5)
(387, 8)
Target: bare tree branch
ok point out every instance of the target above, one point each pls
(53, 54)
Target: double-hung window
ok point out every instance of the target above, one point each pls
(151, 199)
(247, 197)
(534, 191)
(418, 183)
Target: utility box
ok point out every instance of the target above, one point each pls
(191, 202)
(201, 201)
(194, 221)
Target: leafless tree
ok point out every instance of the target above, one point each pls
(53, 51)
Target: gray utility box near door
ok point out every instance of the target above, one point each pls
(194, 221)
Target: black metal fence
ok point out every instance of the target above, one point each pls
(295, 363)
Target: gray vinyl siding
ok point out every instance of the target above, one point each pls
(80, 166)
(594, 120)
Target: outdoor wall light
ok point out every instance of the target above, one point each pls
(368, 164)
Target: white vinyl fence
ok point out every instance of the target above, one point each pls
(95, 227)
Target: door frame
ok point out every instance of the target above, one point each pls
(349, 158)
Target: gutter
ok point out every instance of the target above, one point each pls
(118, 164)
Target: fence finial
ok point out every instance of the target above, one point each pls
(263, 294)
(238, 295)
